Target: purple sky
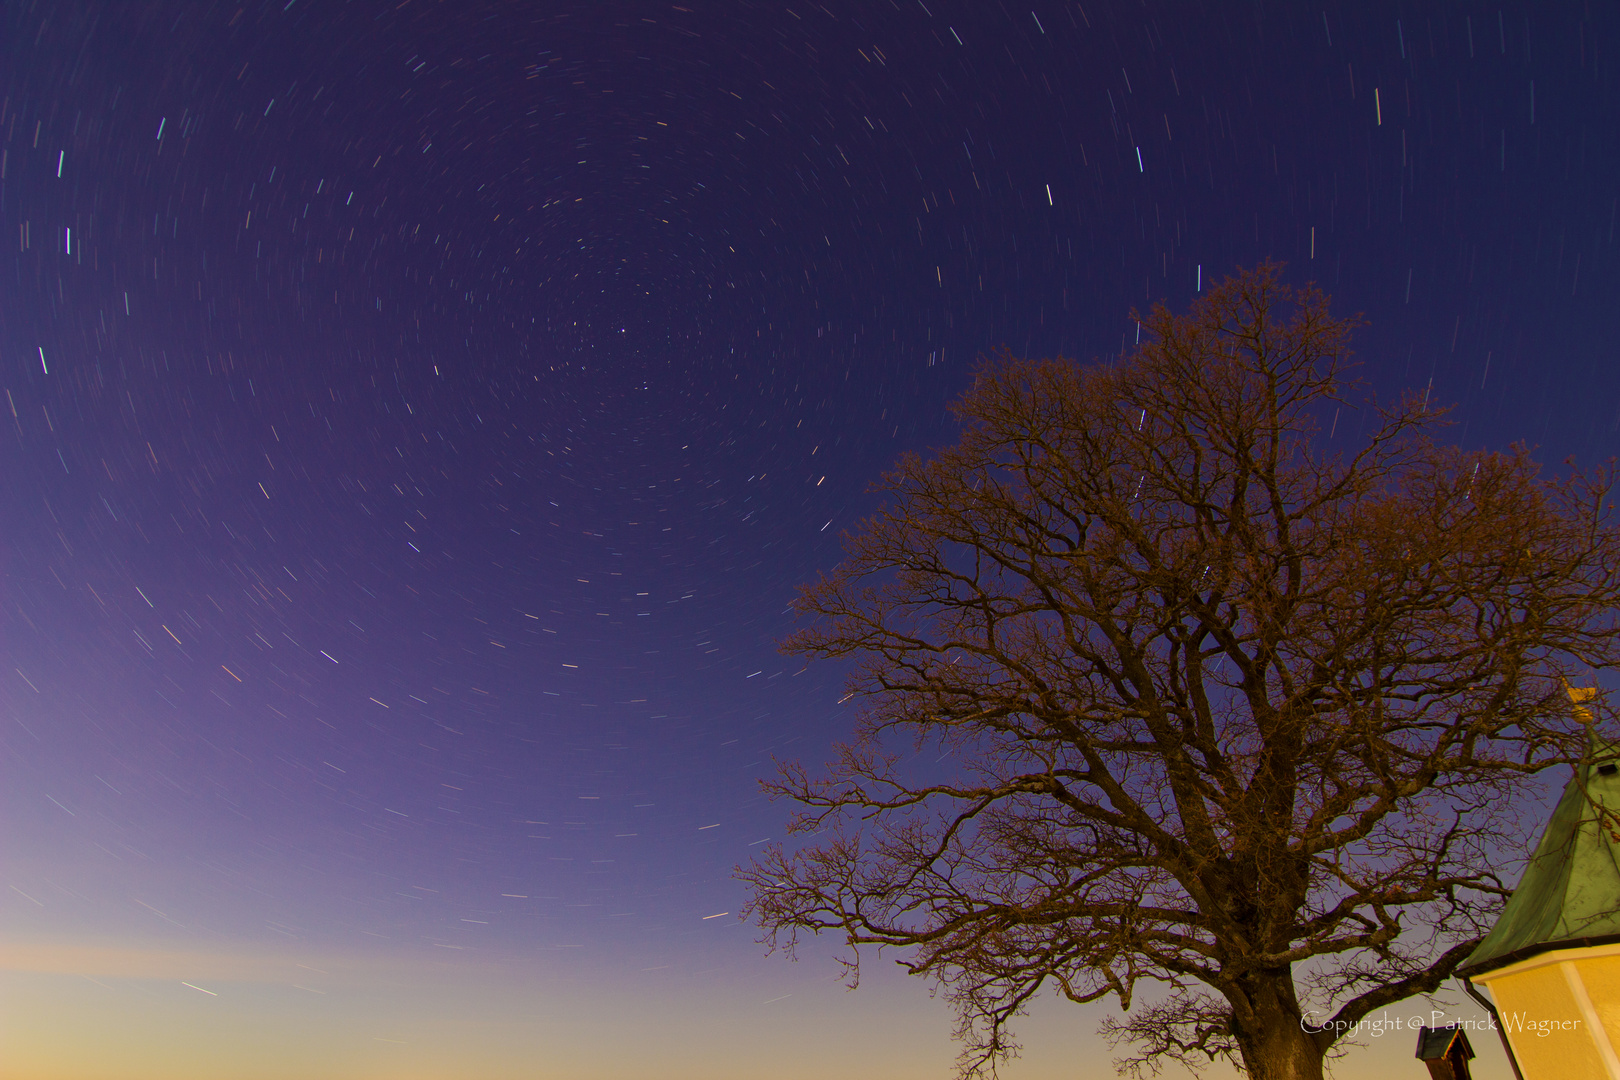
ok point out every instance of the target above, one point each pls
(420, 415)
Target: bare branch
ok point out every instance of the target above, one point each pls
(1228, 713)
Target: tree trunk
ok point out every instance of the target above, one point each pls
(1270, 1032)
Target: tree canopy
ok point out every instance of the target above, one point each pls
(1219, 703)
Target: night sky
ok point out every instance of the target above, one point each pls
(419, 416)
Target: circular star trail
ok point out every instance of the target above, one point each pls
(419, 415)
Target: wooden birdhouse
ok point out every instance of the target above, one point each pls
(1445, 1051)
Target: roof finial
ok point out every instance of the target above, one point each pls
(1578, 695)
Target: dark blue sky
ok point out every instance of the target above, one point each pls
(419, 415)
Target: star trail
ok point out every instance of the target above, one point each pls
(419, 417)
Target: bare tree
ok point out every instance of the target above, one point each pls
(1222, 710)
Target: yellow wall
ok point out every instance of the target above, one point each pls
(1548, 1026)
(1601, 974)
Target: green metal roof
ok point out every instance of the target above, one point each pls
(1569, 896)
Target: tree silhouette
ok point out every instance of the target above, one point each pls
(1219, 709)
